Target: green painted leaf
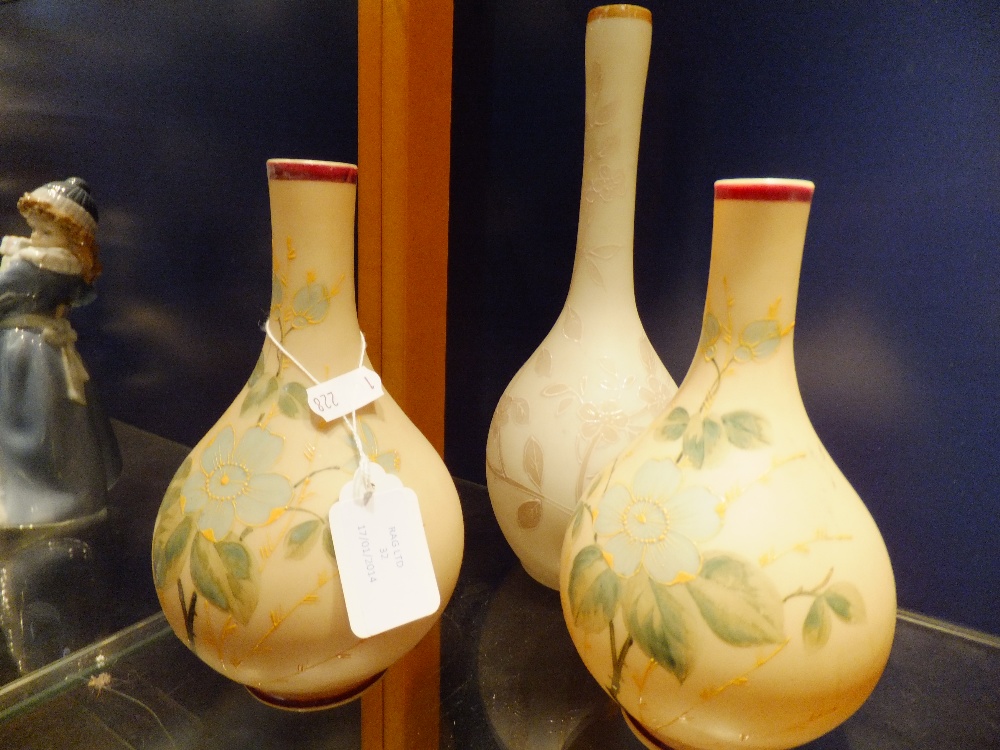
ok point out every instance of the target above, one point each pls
(710, 330)
(177, 542)
(593, 590)
(292, 400)
(258, 371)
(674, 424)
(288, 407)
(166, 555)
(224, 574)
(259, 394)
(208, 577)
(251, 400)
(745, 429)
(173, 529)
(845, 601)
(301, 533)
(173, 493)
(298, 392)
(738, 601)
(302, 538)
(235, 558)
(817, 625)
(700, 443)
(269, 388)
(657, 622)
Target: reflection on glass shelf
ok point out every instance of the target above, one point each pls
(525, 672)
(46, 589)
(64, 586)
(81, 667)
(142, 688)
(510, 680)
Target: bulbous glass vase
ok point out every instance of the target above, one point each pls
(595, 381)
(721, 579)
(243, 558)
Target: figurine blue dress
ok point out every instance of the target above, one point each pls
(58, 454)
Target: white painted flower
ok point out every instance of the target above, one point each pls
(656, 525)
(233, 482)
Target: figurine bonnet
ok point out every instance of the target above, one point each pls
(58, 454)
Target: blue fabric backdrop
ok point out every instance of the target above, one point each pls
(891, 107)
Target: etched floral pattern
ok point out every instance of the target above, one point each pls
(584, 393)
(606, 421)
(607, 185)
(594, 424)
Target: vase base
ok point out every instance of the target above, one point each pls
(314, 704)
(645, 737)
(542, 577)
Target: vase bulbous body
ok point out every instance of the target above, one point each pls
(722, 580)
(243, 559)
(595, 381)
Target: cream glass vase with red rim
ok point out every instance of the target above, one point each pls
(243, 560)
(721, 579)
(595, 381)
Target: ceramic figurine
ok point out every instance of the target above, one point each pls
(58, 454)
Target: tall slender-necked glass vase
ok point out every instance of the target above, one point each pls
(243, 558)
(594, 382)
(722, 580)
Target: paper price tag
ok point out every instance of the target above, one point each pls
(382, 553)
(345, 393)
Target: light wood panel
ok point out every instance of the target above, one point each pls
(404, 129)
(404, 132)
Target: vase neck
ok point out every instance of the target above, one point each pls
(313, 311)
(617, 56)
(758, 236)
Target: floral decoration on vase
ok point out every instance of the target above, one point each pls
(595, 382)
(243, 555)
(721, 579)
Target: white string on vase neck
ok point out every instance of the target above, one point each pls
(352, 423)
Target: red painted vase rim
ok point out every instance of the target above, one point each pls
(620, 10)
(765, 189)
(311, 169)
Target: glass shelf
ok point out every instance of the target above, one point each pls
(62, 589)
(510, 680)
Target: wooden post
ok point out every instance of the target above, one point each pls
(404, 136)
